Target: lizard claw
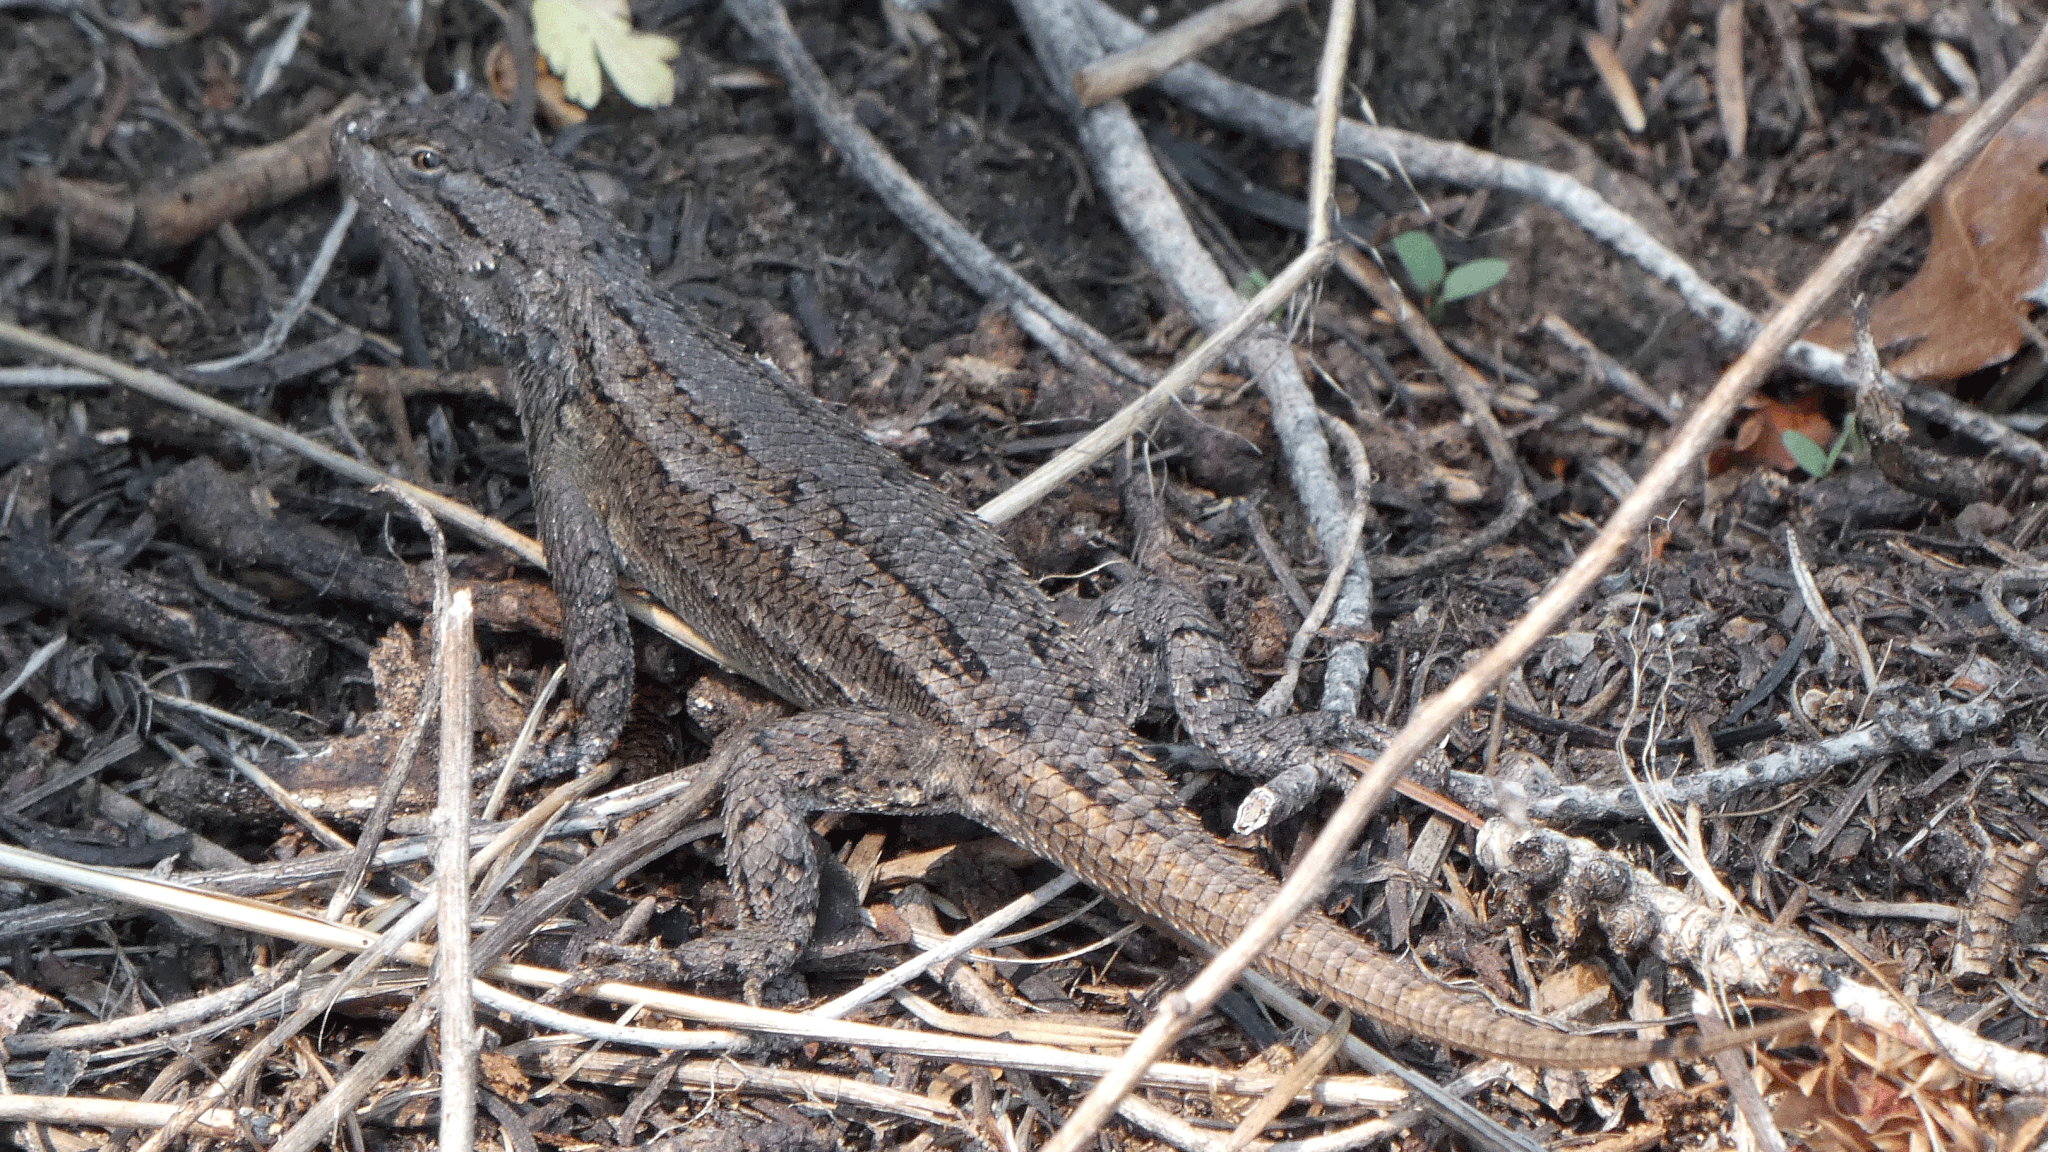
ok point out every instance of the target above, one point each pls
(568, 756)
(633, 964)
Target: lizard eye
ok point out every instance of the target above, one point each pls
(427, 161)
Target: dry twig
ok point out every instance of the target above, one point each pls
(1133, 68)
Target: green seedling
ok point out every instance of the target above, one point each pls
(1819, 461)
(1439, 284)
(1255, 282)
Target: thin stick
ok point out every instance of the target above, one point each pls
(96, 1112)
(1617, 374)
(31, 666)
(1614, 78)
(207, 1008)
(1126, 71)
(949, 240)
(287, 318)
(1113, 431)
(459, 1040)
(516, 842)
(524, 743)
(1850, 644)
(955, 946)
(1729, 94)
(1322, 163)
(399, 771)
(1280, 696)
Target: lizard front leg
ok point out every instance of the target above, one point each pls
(583, 565)
(1162, 642)
(1156, 640)
(777, 775)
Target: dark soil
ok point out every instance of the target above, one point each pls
(178, 558)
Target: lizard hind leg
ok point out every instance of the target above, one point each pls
(777, 775)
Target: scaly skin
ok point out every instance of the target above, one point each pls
(827, 570)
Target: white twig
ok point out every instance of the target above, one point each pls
(1849, 643)
(425, 711)
(459, 1041)
(192, 1010)
(227, 719)
(722, 1077)
(1133, 68)
(281, 325)
(1280, 696)
(1617, 374)
(535, 713)
(33, 665)
(100, 1112)
(1132, 416)
(514, 844)
(984, 930)
(1329, 108)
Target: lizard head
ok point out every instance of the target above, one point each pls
(480, 211)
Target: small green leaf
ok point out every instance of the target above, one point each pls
(1810, 456)
(1254, 282)
(1422, 259)
(1474, 278)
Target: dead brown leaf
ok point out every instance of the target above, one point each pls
(1760, 438)
(1967, 307)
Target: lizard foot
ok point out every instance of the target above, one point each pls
(753, 963)
(1298, 757)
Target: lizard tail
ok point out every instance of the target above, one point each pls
(1320, 955)
(1141, 848)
